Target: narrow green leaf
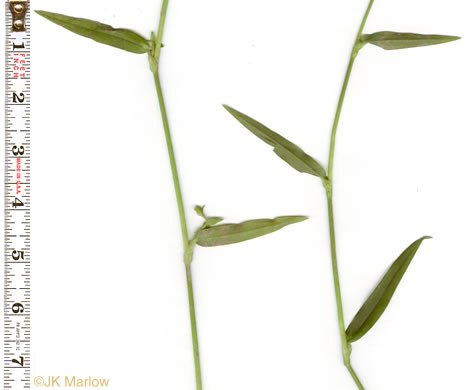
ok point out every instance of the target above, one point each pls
(379, 299)
(289, 152)
(117, 37)
(231, 233)
(389, 40)
(199, 210)
(213, 221)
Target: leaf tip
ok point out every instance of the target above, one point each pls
(296, 218)
(211, 221)
(451, 38)
(44, 14)
(228, 108)
(199, 210)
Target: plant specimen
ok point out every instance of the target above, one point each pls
(374, 306)
(212, 232)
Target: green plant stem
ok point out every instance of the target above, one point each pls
(162, 20)
(159, 37)
(346, 348)
(180, 204)
(195, 340)
(354, 52)
(354, 376)
(172, 161)
(182, 218)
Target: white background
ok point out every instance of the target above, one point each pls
(109, 293)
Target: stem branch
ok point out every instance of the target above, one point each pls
(346, 347)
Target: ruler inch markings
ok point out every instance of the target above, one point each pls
(17, 275)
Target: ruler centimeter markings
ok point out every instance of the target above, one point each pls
(17, 201)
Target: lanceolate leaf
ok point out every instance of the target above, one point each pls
(389, 40)
(231, 233)
(117, 37)
(285, 149)
(379, 299)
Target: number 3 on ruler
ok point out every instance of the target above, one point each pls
(18, 151)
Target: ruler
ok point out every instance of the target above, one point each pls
(17, 338)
